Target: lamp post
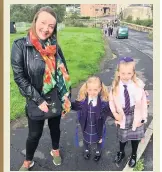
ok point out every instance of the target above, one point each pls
(96, 11)
(95, 18)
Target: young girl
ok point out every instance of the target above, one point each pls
(93, 109)
(128, 99)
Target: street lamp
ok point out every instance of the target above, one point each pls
(94, 13)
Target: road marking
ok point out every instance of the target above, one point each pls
(137, 49)
(114, 40)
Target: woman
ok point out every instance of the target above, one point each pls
(39, 68)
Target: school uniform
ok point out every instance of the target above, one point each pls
(92, 114)
(133, 112)
(127, 133)
(140, 104)
(90, 134)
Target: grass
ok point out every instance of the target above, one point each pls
(150, 35)
(83, 49)
(139, 166)
(17, 102)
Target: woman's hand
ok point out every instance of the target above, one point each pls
(44, 106)
(67, 104)
(63, 114)
(66, 107)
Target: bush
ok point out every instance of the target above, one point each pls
(138, 21)
(147, 22)
(74, 23)
(85, 17)
(79, 24)
(74, 16)
(129, 19)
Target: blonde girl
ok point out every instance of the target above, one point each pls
(128, 100)
(93, 108)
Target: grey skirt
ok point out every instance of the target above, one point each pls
(128, 134)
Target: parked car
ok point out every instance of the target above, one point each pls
(122, 32)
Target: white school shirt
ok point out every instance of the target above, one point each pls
(94, 101)
(130, 88)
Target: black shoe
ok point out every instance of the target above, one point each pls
(119, 157)
(132, 161)
(97, 156)
(86, 154)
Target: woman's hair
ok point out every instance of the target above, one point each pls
(83, 90)
(116, 80)
(43, 9)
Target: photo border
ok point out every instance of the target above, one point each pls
(5, 71)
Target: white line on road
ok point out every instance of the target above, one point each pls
(137, 49)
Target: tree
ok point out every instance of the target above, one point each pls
(26, 12)
(59, 9)
(74, 15)
(151, 9)
(21, 13)
(129, 19)
(121, 15)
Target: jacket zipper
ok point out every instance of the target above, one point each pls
(39, 59)
(28, 67)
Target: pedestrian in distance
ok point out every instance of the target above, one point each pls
(92, 109)
(111, 30)
(105, 29)
(128, 99)
(41, 74)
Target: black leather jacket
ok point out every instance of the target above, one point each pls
(28, 68)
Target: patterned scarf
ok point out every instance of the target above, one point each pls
(62, 81)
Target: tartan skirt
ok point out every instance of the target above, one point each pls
(128, 134)
(90, 134)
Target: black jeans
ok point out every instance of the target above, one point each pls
(35, 133)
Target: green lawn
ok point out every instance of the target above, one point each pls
(82, 47)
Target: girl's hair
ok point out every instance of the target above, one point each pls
(116, 80)
(43, 9)
(83, 90)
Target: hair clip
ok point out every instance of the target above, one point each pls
(125, 59)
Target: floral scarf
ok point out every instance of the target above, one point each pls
(62, 81)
